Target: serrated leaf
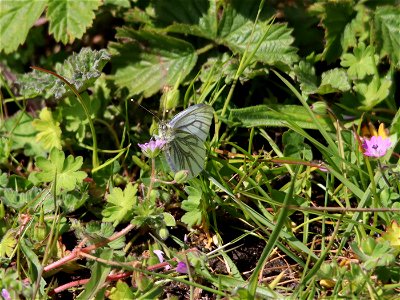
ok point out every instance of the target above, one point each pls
(198, 17)
(392, 235)
(16, 18)
(333, 81)
(374, 253)
(387, 24)
(276, 115)
(192, 218)
(7, 244)
(361, 63)
(17, 199)
(49, 130)
(371, 93)
(69, 19)
(23, 135)
(276, 48)
(62, 172)
(148, 61)
(120, 204)
(81, 70)
(305, 74)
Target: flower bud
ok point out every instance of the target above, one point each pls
(181, 176)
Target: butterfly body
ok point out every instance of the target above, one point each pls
(185, 135)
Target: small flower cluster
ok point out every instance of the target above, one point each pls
(152, 148)
(180, 268)
(378, 144)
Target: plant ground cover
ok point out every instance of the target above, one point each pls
(294, 136)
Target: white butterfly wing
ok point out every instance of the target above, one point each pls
(186, 150)
(195, 119)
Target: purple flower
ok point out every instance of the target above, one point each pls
(160, 255)
(376, 146)
(5, 294)
(182, 268)
(152, 148)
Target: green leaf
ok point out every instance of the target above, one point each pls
(16, 18)
(73, 200)
(17, 199)
(5, 144)
(121, 291)
(69, 19)
(99, 273)
(148, 61)
(335, 18)
(275, 48)
(392, 235)
(305, 74)
(8, 243)
(374, 253)
(361, 63)
(276, 115)
(193, 216)
(387, 24)
(81, 70)
(120, 204)
(62, 172)
(333, 81)
(22, 134)
(371, 93)
(49, 130)
(294, 146)
(198, 17)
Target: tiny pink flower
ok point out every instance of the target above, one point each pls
(5, 294)
(152, 148)
(182, 268)
(376, 146)
(160, 255)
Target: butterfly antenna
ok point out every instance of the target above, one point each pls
(150, 112)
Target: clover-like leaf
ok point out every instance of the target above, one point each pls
(361, 63)
(64, 173)
(13, 31)
(120, 204)
(69, 19)
(147, 61)
(49, 130)
(80, 70)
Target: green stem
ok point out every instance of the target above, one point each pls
(375, 199)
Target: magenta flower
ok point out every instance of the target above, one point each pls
(152, 148)
(182, 268)
(376, 146)
(5, 294)
(160, 255)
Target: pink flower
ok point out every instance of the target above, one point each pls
(5, 294)
(182, 268)
(376, 146)
(160, 255)
(152, 148)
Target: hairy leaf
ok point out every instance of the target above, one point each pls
(334, 80)
(361, 63)
(148, 61)
(69, 19)
(16, 18)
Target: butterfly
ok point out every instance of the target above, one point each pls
(184, 138)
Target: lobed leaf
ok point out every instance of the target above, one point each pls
(49, 131)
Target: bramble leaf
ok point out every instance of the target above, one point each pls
(387, 24)
(361, 63)
(120, 204)
(80, 70)
(13, 31)
(69, 19)
(333, 81)
(49, 130)
(147, 61)
(62, 172)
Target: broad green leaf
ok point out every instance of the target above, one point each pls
(3, 178)
(148, 61)
(22, 135)
(81, 70)
(193, 215)
(374, 253)
(99, 273)
(17, 199)
(276, 116)
(336, 15)
(333, 81)
(198, 17)
(387, 24)
(276, 46)
(49, 130)
(62, 172)
(120, 204)
(361, 63)
(8, 243)
(305, 74)
(392, 235)
(371, 93)
(69, 18)
(16, 18)
(121, 291)
(71, 201)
